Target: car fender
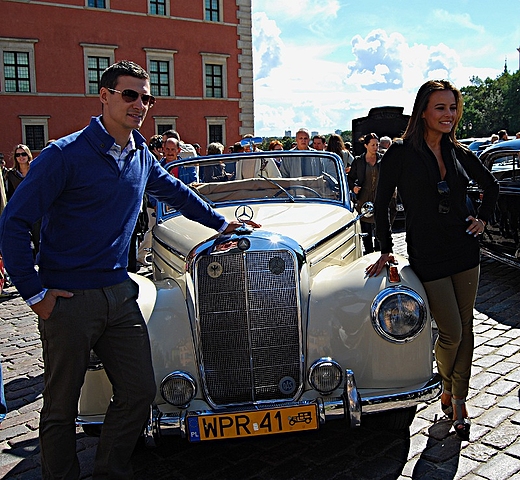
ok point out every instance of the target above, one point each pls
(96, 391)
(171, 332)
(340, 326)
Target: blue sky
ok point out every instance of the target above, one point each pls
(321, 63)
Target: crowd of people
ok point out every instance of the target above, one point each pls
(90, 207)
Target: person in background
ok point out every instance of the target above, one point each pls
(171, 150)
(256, 167)
(88, 187)
(502, 136)
(494, 138)
(196, 146)
(276, 145)
(319, 142)
(22, 157)
(432, 170)
(362, 180)
(150, 204)
(337, 146)
(3, 169)
(296, 166)
(155, 146)
(3, 202)
(216, 173)
(517, 135)
(238, 147)
(384, 144)
(186, 150)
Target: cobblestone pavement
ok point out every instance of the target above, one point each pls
(428, 450)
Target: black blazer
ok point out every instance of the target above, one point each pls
(358, 169)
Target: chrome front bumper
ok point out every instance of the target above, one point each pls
(350, 406)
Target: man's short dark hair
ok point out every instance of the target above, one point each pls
(110, 76)
(320, 137)
(172, 134)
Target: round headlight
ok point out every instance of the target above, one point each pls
(178, 388)
(398, 314)
(325, 375)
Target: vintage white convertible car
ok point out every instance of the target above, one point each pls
(275, 329)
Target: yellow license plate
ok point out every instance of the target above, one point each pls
(250, 424)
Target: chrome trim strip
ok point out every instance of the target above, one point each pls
(429, 391)
(330, 252)
(489, 253)
(333, 408)
(349, 224)
(169, 248)
(352, 400)
(349, 251)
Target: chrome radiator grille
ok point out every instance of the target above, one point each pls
(249, 327)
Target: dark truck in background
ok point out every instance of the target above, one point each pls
(389, 121)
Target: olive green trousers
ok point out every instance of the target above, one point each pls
(452, 300)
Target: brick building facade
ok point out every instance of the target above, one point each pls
(198, 53)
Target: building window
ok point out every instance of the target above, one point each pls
(158, 7)
(164, 123)
(216, 133)
(215, 75)
(95, 68)
(96, 59)
(17, 70)
(216, 129)
(163, 127)
(212, 10)
(214, 81)
(97, 3)
(159, 64)
(35, 137)
(160, 78)
(35, 132)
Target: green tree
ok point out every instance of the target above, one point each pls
(491, 105)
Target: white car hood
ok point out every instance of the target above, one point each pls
(306, 223)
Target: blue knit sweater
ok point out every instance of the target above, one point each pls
(89, 209)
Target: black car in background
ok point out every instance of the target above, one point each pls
(501, 236)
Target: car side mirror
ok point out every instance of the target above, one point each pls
(367, 209)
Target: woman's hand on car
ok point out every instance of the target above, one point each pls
(374, 269)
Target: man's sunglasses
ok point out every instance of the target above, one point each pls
(22, 154)
(444, 191)
(130, 96)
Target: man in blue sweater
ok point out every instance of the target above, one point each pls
(87, 188)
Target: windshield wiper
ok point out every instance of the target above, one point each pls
(291, 198)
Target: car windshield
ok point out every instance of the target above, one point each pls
(506, 165)
(267, 176)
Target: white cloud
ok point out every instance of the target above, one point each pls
(458, 20)
(267, 45)
(299, 85)
(306, 10)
